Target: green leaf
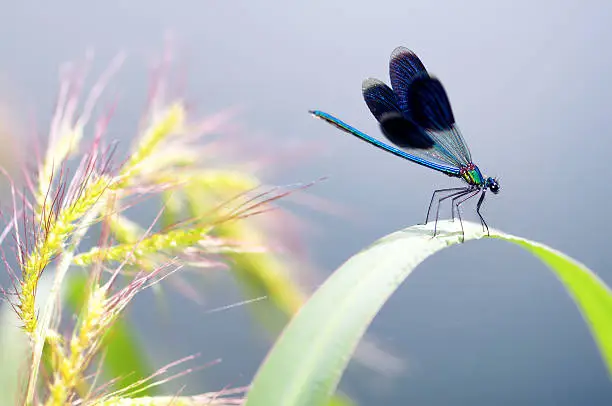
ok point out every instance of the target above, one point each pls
(307, 361)
(592, 296)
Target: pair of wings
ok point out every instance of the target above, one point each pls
(415, 115)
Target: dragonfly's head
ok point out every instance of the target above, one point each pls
(492, 184)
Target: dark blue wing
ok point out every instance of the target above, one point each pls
(379, 97)
(404, 132)
(431, 110)
(429, 105)
(404, 66)
(395, 126)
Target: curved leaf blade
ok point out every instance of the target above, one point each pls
(308, 359)
(592, 296)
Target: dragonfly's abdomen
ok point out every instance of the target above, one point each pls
(472, 175)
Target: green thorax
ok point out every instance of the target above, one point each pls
(472, 175)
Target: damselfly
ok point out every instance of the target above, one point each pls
(415, 115)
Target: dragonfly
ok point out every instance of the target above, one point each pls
(415, 115)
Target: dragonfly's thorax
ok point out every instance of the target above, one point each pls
(472, 175)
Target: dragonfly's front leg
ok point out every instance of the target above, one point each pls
(482, 220)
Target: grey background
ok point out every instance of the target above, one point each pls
(479, 324)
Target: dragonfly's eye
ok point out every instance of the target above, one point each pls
(493, 185)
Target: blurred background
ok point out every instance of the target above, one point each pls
(529, 81)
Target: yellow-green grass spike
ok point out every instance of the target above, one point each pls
(124, 357)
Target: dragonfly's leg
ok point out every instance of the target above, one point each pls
(461, 192)
(434, 195)
(471, 193)
(482, 221)
(453, 204)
